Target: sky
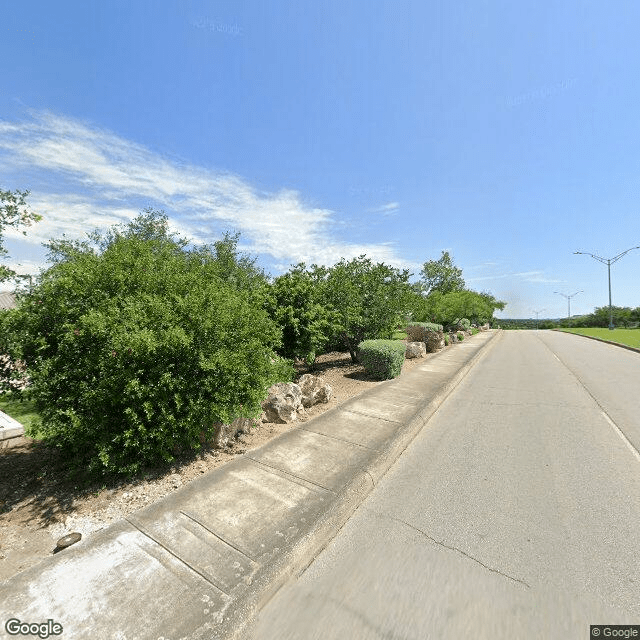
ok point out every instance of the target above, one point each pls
(506, 133)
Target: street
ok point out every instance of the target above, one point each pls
(513, 514)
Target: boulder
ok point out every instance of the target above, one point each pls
(284, 403)
(415, 350)
(434, 340)
(226, 432)
(314, 390)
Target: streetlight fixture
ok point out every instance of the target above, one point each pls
(608, 262)
(568, 297)
(537, 314)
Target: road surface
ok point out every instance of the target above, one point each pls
(515, 513)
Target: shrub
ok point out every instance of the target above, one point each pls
(382, 359)
(306, 324)
(474, 330)
(446, 339)
(368, 301)
(460, 336)
(135, 351)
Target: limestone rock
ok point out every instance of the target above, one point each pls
(314, 390)
(283, 402)
(415, 350)
(434, 341)
(224, 433)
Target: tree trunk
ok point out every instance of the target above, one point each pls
(352, 353)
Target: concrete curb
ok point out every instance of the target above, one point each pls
(352, 495)
(201, 562)
(615, 344)
(9, 428)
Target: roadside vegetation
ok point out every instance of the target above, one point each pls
(629, 337)
(623, 318)
(137, 345)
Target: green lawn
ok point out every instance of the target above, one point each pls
(399, 335)
(24, 412)
(630, 337)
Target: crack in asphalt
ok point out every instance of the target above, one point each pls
(441, 543)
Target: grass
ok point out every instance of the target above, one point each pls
(629, 337)
(398, 335)
(21, 410)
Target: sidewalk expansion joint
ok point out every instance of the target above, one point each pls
(368, 415)
(177, 557)
(303, 482)
(440, 543)
(215, 535)
(326, 435)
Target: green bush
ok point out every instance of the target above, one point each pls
(382, 359)
(446, 339)
(137, 349)
(367, 301)
(474, 330)
(307, 325)
(460, 336)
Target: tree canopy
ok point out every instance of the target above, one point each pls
(441, 275)
(14, 212)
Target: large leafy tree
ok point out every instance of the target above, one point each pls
(296, 304)
(441, 275)
(14, 212)
(446, 308)
(137, 347)
(369, 299)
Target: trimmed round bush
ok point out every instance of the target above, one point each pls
(382, 359)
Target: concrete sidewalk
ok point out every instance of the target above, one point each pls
(9, 428)
(200, 562)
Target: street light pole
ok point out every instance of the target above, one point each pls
(608, 262)
(537, 314)
(564, 295)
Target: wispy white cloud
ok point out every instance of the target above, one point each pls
(103, 179)
(526, 276)
(386, 209)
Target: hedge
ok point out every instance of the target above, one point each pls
(382, 359)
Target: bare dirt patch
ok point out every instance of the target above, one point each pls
(39, 503)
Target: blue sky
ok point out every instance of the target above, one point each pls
(506, 133)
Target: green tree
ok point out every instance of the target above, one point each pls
(14, 212)
(441, 275)
(369, 300)
(296, 305)
(446, 308)
(136, 347)
(237, 269)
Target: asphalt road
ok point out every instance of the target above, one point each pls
(515, 513)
